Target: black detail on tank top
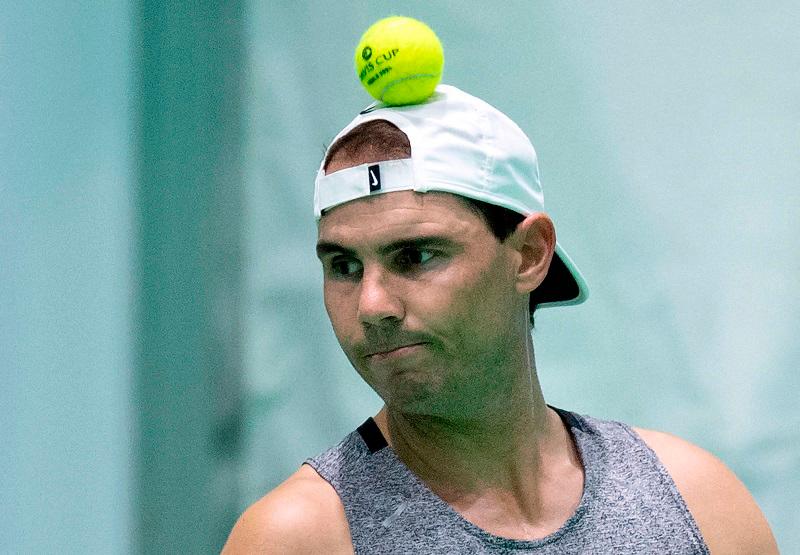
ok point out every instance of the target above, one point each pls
(372, 435)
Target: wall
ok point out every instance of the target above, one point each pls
(65, 278)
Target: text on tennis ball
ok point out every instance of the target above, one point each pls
(376, 63)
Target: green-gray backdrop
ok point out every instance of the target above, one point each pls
(165, 358)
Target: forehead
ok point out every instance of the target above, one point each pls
(386, 216)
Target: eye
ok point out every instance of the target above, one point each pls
(409, 258)
(342, 266)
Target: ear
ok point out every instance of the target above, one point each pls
(535, 242)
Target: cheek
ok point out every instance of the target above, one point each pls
(466, 302)
(481, 321)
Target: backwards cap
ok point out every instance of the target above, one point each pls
(460, 145)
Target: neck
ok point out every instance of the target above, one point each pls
(508, 462)
(468, 453)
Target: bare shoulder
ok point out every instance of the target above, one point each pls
(302, 515)
(728, 516)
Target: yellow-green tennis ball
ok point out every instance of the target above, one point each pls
(399, 60)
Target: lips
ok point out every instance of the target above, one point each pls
(383, 351)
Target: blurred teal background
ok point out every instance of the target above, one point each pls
(165, 357)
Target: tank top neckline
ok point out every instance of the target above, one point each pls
(374, 441)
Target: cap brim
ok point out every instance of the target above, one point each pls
(564, 285)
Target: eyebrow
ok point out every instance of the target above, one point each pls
(325, 248)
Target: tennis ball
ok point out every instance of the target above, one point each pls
(399, 60)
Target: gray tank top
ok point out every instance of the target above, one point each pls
(629, 504)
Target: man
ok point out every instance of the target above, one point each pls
(436, 251)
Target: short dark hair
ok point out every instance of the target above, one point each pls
(380, 140)
(373, 141)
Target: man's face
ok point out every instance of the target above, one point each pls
(421, 297)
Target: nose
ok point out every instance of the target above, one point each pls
(378, 299)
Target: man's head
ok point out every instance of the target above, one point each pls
(454, 143)
(408, 268)
(430, 241)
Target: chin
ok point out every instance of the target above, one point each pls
(420, 401)
(407, 398)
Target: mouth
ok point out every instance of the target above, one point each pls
(397, 352)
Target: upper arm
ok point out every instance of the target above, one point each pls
(302, 515)
(725, 512)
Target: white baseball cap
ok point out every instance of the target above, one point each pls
(460, 145)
